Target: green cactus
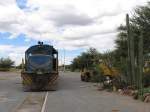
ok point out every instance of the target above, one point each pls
(131, 58)
(140, 64)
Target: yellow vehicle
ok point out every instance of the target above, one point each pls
(146, 77)
(106, 71)
(111, 75)
(146, 66)
(85, 75)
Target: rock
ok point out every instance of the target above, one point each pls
(147, 97)
(135, 94)
(100, 89)
(146, 94)
(120, 91)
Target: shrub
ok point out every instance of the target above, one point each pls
(6, 64)
(146, 79)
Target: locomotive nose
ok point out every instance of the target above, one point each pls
(39, 82)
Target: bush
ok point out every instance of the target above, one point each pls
(19, 66)
(97, 76)
(146, 79)
(6, 64)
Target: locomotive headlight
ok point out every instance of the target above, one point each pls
(39, 72)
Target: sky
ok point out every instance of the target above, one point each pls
(69, 25)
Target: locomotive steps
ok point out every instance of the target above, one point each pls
(34, 102)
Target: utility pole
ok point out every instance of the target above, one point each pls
(64, 60)
(61, 60)
(22, 65)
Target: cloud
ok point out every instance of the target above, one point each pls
(72, 19)
(69, 16)
(16, 53)
(70, 24)
(71, 45)
(63, 20)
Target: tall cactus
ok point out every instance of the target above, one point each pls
(131, 58)
(140, 63)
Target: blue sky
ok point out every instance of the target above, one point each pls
(71, 25)
(22, 4)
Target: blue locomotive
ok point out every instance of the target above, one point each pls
(40, 70)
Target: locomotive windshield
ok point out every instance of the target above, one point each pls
(39, 59)
(40, 62)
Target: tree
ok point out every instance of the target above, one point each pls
(86, 59)
(6, 64)
(139, 22)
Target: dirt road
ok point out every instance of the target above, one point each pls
(72, 96)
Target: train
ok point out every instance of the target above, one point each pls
(40, 68)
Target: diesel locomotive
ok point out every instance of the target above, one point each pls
(40, 68)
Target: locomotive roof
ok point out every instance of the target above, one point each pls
(45, 46)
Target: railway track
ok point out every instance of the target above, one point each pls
(34, 102)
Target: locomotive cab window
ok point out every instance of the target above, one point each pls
(55, 61)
